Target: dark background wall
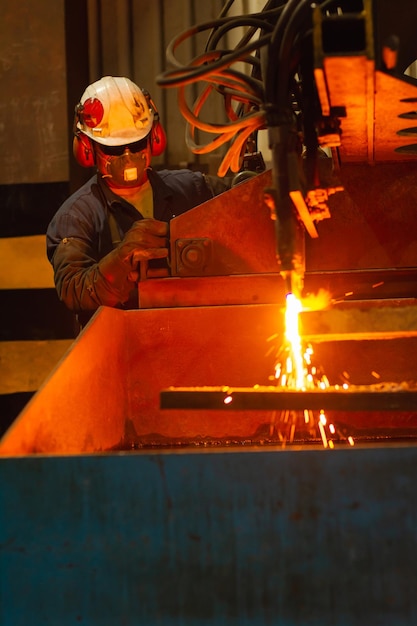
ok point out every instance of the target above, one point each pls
(49, 53)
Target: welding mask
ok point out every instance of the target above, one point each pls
(114, 112)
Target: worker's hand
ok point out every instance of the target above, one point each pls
(146, 239)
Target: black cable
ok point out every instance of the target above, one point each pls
(284, 27)
(279, 52)
(254, 23)
(256, 20)
(175, 78)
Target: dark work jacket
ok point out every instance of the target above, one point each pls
(80, 233)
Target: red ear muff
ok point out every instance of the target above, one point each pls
(81, 145)
(158, 136)
(83, 150)
(158, 139)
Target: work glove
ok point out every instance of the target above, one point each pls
(84, 284)
(146, 239)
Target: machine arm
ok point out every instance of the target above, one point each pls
(316, 78)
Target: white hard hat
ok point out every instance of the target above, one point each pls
(114, 111)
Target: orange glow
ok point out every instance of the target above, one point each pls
(295, 363)
(317, 301)
(294, 369)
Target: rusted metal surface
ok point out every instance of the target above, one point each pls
(106, 394)
(361, 320)
(342, 286)
(226, 248)
(231, 234)
(212, 291)
(375, 103)
(373, 223)
(372, 227)
(395, 97)
(370, 104)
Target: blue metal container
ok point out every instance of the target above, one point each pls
(236, 537)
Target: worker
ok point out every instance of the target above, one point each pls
(118, 221)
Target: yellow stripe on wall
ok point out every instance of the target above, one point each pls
(25, 365)
(24, 263)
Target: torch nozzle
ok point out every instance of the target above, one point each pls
(294, 282)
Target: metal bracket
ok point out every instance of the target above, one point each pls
(192, 256)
